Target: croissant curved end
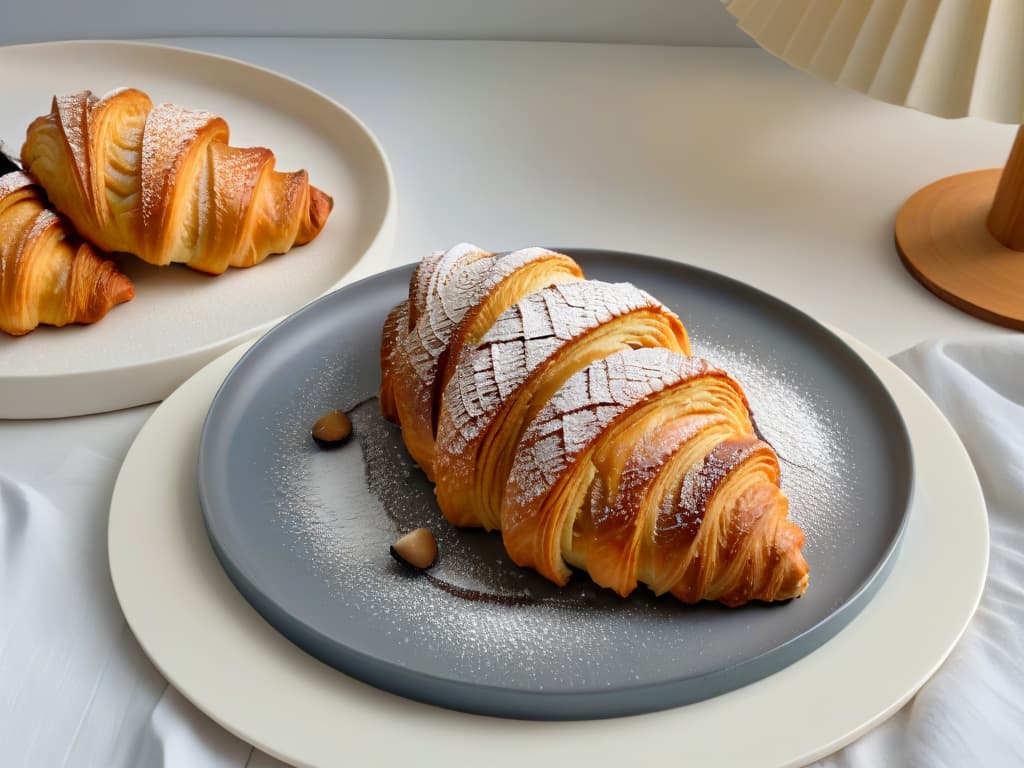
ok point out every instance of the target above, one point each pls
(112, 287)
(320, 206)
(796, 574)
(121, 288)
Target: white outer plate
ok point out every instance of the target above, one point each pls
(181, 319)
(211, 645)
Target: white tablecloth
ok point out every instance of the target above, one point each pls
(76, 690)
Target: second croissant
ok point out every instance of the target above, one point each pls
(47, 274)
(161, 182)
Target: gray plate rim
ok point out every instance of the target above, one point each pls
(491, 700)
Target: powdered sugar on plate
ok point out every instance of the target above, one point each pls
(811, 440)
(343, 508)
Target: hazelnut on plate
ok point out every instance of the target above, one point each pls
(333, 428)
(417, 548)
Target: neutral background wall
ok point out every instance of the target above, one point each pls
(669, 22)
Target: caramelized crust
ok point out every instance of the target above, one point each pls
(47, 274)
(617, 400)
(162, 183)
(527, 354)
(457, 296)
(396, 325)
(570, 416)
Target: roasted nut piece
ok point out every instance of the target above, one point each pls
(333, 428)
(417, 548)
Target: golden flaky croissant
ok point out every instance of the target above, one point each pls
(569, 415)
(161, 182)
(47, 274)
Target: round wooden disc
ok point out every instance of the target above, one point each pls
(943, 240)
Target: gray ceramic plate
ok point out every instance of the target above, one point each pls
(304, 533)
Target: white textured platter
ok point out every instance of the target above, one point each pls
(214, 647)
(181, 319)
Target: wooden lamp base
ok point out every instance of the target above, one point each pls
(943, 238)
(963, 237)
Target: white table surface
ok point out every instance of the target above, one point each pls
(721, 157)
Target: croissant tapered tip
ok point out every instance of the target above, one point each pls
(796, 576)
(121, 289)
(320, 206)
(104, 285)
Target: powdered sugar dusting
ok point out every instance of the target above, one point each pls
(170, 130)
(454, 285)
(44, 219)
(521, 339)
(73, 113)
(687, 509)
(420, 283)
(461, 280)
(463, 276)
(584, 407)
(395, 326)
(811, 440)
(14, 181)
(643, 464)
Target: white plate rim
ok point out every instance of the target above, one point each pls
(207, 640)
(29, 396)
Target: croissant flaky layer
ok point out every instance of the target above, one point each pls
(568, 414)
(47, 274)
(162, 182)
(457, 296)
(523, 359)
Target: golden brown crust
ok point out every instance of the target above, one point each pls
(576, 423)
(47, 274)
(613, 533)
(455, 297)
(621, 398)
(161, 182)
(320, 206)
(526, 355)
(395, 328)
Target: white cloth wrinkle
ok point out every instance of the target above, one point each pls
(970, 712)
(75, 687)
(179, 735)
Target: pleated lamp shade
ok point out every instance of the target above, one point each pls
(961, 236)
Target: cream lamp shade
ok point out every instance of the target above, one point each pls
(962, 236)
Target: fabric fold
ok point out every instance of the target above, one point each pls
(969, 712)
